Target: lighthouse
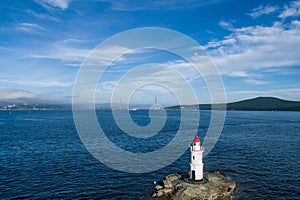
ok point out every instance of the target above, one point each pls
(196, 165)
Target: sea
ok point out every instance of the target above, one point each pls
(42, 156)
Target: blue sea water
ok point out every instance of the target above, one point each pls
(42, 156)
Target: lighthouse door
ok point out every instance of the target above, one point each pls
(193, 174)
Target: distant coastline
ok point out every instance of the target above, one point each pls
(255, 104)
(26, 106)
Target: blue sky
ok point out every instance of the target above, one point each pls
(255, 45)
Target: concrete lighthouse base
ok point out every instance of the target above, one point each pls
(214, 186)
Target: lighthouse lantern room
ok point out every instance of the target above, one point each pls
(196, 165)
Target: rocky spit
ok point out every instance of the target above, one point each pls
(213, 186)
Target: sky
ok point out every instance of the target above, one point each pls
(255, 45)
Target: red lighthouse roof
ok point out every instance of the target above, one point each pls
(196, 139)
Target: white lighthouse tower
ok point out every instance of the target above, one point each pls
(196, 165)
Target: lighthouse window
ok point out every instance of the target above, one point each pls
(193, 157)
(194, 143)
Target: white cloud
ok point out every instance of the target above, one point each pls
(30, 27)
(248, 50)
(291, 10)
(41, 16)
(296, 23)
(73, 64)
(244, 74)
(38, 83)
(61, 4)
(256, 82)
(263, 10)
(105, 55)
(6, 94)
(239, 74)
(74, 56)
(61, 51)
(257, 47)
(225, 25)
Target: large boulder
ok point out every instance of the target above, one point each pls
(214, 186)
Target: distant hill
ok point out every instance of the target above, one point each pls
(259, 103)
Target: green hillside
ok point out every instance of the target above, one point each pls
(259, 103)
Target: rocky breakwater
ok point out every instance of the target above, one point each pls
(214, 186)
